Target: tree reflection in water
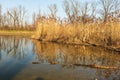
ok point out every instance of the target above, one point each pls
(14, 47)
(67, 55)
(71, 54)
(15, 51)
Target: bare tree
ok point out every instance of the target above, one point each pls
(78, 12)
(34, 19)
(71, 9)
(93, 10)
(53, 10)
(84, 12)
(21, 16)
(39, 13)
(17, 16)
(108, 7)
(75, 5)
(12, 15)
(4, 20)
(0, 15)
(39, 16)
(66, 7)
(116, 10)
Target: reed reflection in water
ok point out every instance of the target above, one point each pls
(25, 59)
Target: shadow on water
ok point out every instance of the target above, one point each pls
(22, 58)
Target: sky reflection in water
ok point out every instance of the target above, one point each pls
(25, 59)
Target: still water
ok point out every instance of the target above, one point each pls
(26, 59)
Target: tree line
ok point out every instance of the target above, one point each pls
(76, 11)
(99, 11)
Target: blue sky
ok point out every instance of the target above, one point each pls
(33, 5)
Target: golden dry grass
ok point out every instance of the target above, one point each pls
(16, 33)
(92, 33)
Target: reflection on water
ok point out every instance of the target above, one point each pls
(25, 59)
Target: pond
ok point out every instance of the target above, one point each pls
(26, 59)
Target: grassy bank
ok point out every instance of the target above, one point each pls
(24, 33)
(106, 35)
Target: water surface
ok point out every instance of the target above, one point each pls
(26, 59)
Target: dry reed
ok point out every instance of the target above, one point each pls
(106, 34)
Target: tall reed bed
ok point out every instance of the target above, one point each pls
(106, 34)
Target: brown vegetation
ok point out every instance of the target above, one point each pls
(19, 33)
(93, 33)
(86, 23)
(84, 28)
